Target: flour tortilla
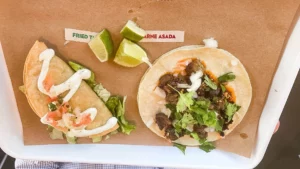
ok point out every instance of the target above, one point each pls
(217, 61)
(59, 71)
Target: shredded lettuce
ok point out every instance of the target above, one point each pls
(116, 105)
(102, 92)
(96, 139)
(56, 134)
(207, 146)
(22, 89)
(180, 147)
(71, 140)
(107, 137)
(114, 132)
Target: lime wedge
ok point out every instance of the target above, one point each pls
(130, 54)
(102, 45)
(132, 32)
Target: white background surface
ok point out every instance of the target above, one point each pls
(11, 139)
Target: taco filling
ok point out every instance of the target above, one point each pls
(199, 101)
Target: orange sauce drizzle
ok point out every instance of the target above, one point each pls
(231, 92)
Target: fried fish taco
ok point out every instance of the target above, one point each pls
(61, 97)
(194, 94)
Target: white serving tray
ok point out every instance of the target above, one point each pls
(11, 139)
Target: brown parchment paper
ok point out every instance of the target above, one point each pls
(253, 31)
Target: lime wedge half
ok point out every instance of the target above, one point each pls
(102, 45)
(130, 54)
(132, 32)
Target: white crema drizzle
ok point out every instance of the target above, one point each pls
(72, 84)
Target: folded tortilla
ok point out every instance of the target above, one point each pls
(217, 61)
(59, 72)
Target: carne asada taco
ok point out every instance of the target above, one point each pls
(194, 94)
(61, 97)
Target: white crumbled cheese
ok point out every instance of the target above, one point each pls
(210, 43)
(234, 62)
(159, 92)
(196, 81)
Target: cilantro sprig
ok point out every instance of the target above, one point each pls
(210, 83)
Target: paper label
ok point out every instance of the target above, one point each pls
(151, 36)
(78, 35)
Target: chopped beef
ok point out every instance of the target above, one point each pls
(162, 120)
(170, 133)
(222, 134)
(218, 105)
(201, 90)
(199, 129)
(172, 98)
(214, 93)
(194, 66)
(227, 95)
(181, 79)
(168, 89)
(226, 124)
(165, 80)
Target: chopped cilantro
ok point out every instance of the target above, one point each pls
(210, 119)
(219, 125)
(210, 83)
(203, 103)
(52, 107)
(180, 147)
(196, 137)
(171, 107)
(185, 101)
(207, 146)
(198, 118)
(227, 77)
(186, 120)
(223, 88)
(231, 109)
